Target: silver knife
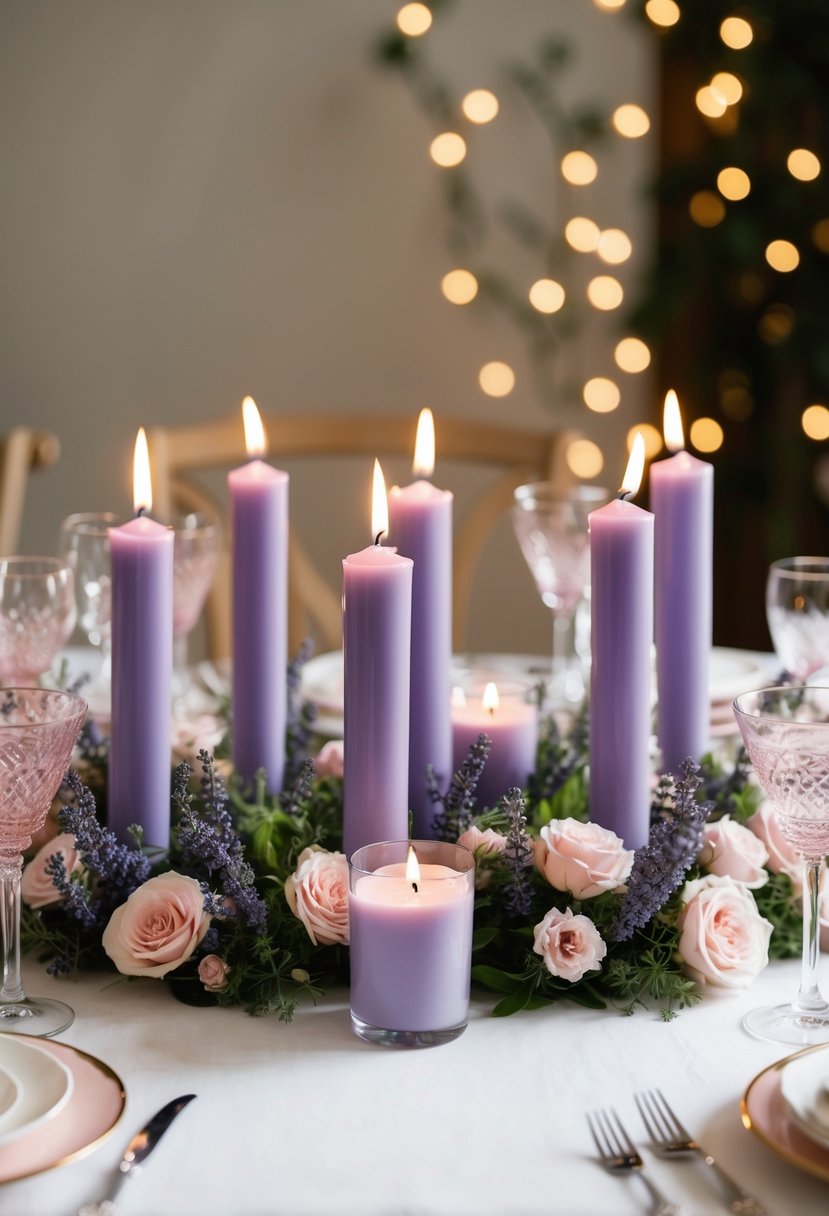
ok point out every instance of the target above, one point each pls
(136, 1152)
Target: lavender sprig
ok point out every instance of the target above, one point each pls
(517, 855)
(660, 867)
(458, 803)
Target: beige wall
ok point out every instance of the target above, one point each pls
(204, 198)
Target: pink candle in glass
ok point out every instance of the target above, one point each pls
(621, 570)
(421, 528)
(411, 906)
(682, 501)
(512, 726)
(377, 623)
(142, 663)
(259, 521)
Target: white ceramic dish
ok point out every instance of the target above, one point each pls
(765, 1113)
(45, 1086)
(11, 1094)
(804, 1084)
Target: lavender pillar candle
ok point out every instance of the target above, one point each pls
(259, 522)
(621, 568)
(141, 554)
(511, 723)
(410, 914)
(421, 528)
(377, 622)
(682, 501)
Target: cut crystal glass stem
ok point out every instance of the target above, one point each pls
(12, 990)
(809, 999)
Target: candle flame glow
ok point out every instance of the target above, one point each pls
(424, 456)
(412, 868)
(379, 505)
(255, 442)
(672, 423)
(490, 699)
(142, 485)
(635, 467)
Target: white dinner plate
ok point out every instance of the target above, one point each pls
(734, 671)
(804, 1084)
(45, 1086)
(765, 1112)
(11, 1093)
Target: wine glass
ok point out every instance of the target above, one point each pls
(37, 615)
(195, 556)
(797, 609)
(551, 528)
(786, 734)
(84, 543)
(38, 729)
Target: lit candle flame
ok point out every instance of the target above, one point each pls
(379, 506)
(412, 868)
(490, 699)
(255, 442)
(424, 457)
(635, 467)
(142, 485)
(672, 423)
(458, 699)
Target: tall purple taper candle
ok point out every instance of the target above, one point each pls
(259, 520)
(621, 571)
(682, 501)
(141, 555)
(421, 528)
(377, 622)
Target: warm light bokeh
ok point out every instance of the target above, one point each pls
(414, 20)
(584, 458)
(496, 379)
(631, 121)
(448, 149)
(803, 164)
(632, 355)
(706, 434)
(729, 86)
(782, 256)
(604, 292)
(579, 168)
(736, 33)
(707, 209)
(815, 422)
(582, 234)
(614, 246)
(601, 395)
(733, 183)
(480, 106)
(662, 12)
(459, 286)
(547, 295)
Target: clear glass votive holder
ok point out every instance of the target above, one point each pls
(411, 942)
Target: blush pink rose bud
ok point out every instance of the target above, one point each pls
(732, 851)
(158, 927)
(570, 945)
(36, 886)
(213, 972)
(485, 846)
(582, 858)
(317, 893)
(330, 760)
(724, 940)
(782, 858)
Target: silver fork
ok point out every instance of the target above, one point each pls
(669, 1137)
(618, 1154)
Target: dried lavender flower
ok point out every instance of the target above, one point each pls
(517, 855)
(458, 803)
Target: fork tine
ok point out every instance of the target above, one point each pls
(664, 1130)
(644, 1110)
(595, 1134)
(669, 1114)
(627, 1144)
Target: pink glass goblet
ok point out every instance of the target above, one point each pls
(37, 615)
(786, 734)
(195, 556)
(38, 729)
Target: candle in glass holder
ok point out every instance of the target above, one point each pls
(621, 567)
(141, 554)
(411, 905)
(511, 723)
(259, 520)
(682, 501)
(377, 623)
(421, 527)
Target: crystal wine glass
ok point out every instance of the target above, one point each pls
(797, 608)
(195, 556)
(84, 543)
(551, 528)
(38, 729)
(786, 734)
(37, 615)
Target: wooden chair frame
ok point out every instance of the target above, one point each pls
(22, 450)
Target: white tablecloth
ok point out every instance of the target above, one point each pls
(305, 1118)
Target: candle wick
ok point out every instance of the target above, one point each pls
(378, 536)
(414, 887)
(141, 511)
(624, 496)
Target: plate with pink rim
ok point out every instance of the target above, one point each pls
(43, 1083)
(88, 1116)
(764, 1112)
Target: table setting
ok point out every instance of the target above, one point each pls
(374, 851)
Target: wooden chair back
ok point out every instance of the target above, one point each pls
(22, 450)
(514, 455)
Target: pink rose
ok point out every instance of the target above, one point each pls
(213, 972)
(330, 761)
(485, 846)
(36, 886)
(158, 927)
(317, 893)
(782, 858)
(732, 851)
(582, 858)
(570, 945)
(724, 940)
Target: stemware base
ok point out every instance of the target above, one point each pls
(788, 1024)
(35, 1016)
